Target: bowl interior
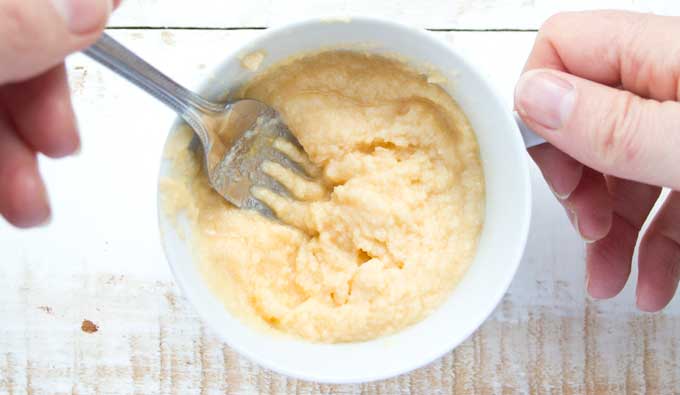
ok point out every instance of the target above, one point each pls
(501, 244)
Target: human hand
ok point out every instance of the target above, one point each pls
(603, 89)
(35, 105)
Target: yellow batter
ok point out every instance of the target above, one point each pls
(389, 234)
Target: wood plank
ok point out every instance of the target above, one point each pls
(437, 14)
(100, 260)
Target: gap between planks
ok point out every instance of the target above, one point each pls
(500, 30)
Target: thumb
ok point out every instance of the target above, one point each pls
(36, 35)
(610, 130)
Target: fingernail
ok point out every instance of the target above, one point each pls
(79, 147)
(47, 222)
(574, 221)
(545, 98)
(560, 196)
(643, 304)
(571, 215)
(588, 284)
(580, 232)
(83, 16)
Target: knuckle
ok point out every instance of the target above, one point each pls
(632, 55)
(555, 24)
(549, 26)
(553, 21)
(616, 140)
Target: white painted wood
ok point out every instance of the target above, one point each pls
(439, 14)
(100, 260)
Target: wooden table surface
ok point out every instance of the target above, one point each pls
(100, 259)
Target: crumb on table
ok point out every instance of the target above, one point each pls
(89, 326)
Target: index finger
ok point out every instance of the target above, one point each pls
(638, 52)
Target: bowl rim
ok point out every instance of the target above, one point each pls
(444, 346)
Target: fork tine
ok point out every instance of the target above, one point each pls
(285, 161)
(290, 150)
(268, 182)
(286, 134)
(297, 155)
(240, 171)
(252, 203)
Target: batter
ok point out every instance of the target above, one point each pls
(386, 235)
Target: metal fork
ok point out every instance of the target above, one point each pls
(237, 137)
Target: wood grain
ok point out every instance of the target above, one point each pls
(436, 14)
(150, 341)
(100, 260)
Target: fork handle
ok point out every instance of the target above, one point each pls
(124, 62)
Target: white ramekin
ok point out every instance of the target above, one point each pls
(508, 207)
